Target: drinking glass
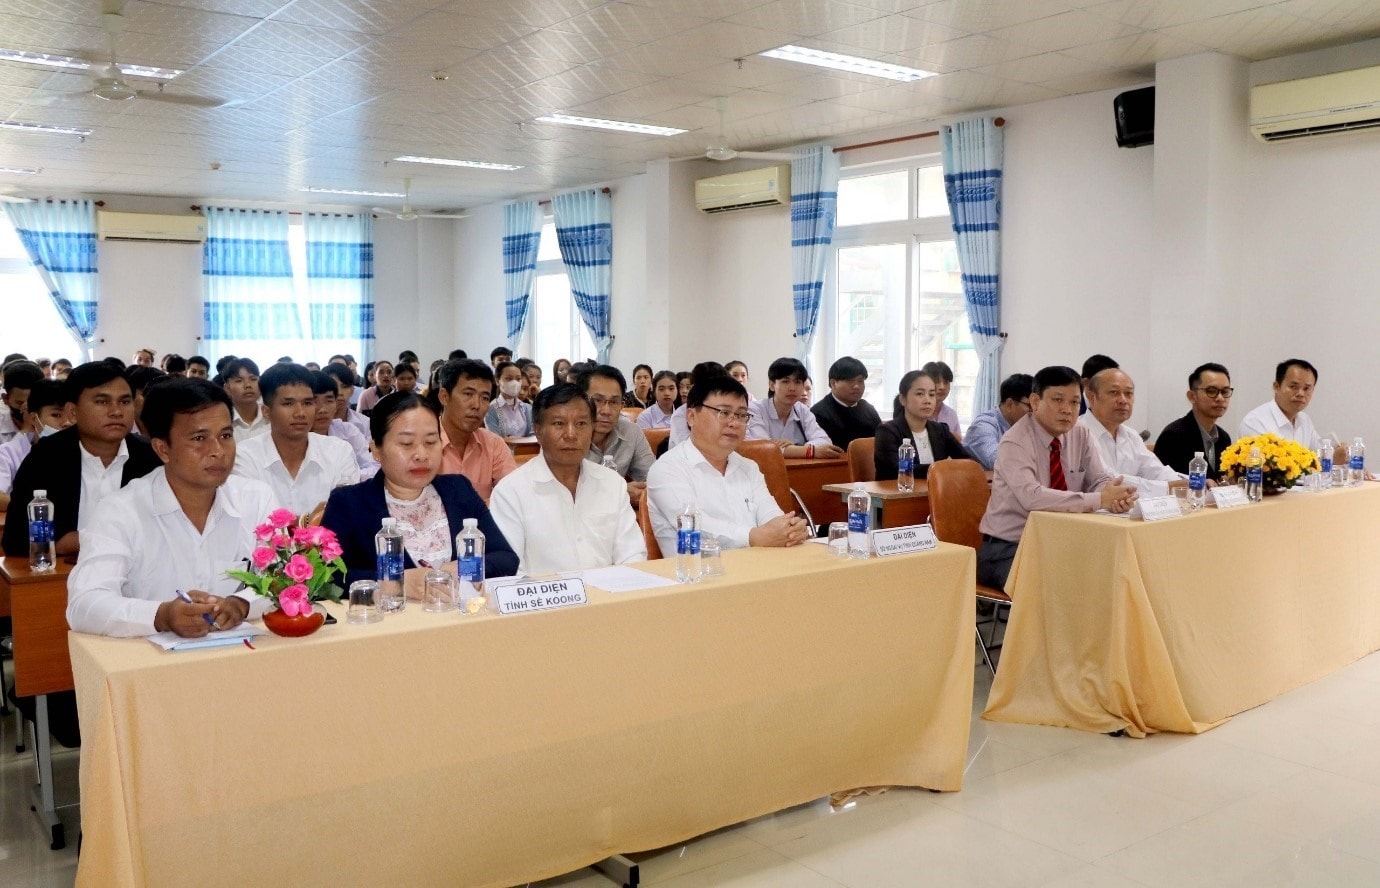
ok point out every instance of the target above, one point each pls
(438, 592)
(838, 538)
(711, 558)
(363, 606)
(1181, 497)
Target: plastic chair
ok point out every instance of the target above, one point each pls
(861, 464)
(644, 521)
(958, 499)
(768, 457)
(656, 437)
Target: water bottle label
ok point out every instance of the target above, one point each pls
(1197, 482)
(471, 570)
(906, 464)
(1357, 463)
(1326, 464)
(1254, 475)
(688, 542)
(40, 531)
(388, 567)
(857, 522)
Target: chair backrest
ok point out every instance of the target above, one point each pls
(644, 521)
(861, 465)
(768, 457)
(655, 437)
(958, 499)
(632, 413)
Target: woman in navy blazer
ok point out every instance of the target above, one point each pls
(918, 400)
(407, 443)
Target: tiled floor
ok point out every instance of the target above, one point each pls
(1287, 794)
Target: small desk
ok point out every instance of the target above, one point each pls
(807, 477)
(890, 507)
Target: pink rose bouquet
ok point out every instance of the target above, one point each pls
(293, 564)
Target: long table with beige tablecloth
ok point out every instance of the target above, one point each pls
(1178, 624)
(435, 749)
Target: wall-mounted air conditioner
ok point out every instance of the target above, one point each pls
(151, 227)
(1316, 106)
(765, 187)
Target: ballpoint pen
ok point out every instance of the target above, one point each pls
(210, 620)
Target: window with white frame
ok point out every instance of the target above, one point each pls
(554, 328)
(29, 322)
(897, 301)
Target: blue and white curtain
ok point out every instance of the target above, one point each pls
(249, 303)
(584, 232)
(60, 239)
(340, 284)
(972, 183)
(521, 238)
(814, 209)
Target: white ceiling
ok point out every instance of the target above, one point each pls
(327, 90)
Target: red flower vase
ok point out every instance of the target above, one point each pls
(280, 623)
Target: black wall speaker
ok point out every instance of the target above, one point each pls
(1135, 117)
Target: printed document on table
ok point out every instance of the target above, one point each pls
(171, 641)
(622, 578)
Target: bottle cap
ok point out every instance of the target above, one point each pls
(1197, 454)
(470, 523)
(390, 522)
(40, 494)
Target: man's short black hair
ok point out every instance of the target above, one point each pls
(47, 393)
(1017, 387)
(708, 370)
(322, 383)
(1197, 375)
(225, 362)
(115, 362)
(847, 367)
(12, 357)
(173, 395)
(606, 371)
(786, 368)
(22, 374)
(555, 396)
(175, 364)
(1056, 376)
(452, 372)
(140, 378)
(279, 375)
(714, 385)
(199, 361)
(233, 367)
(457, 354)
(388, 407)
(940, 371)
(407, 356)
(503, 350)
(92, 374)
(339, 373)
(1096, 364)
(1282, 369)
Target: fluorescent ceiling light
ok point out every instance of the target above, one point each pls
(24, 171)
(75, 64)
(852, 64)
(442, 161)
(351, 191)
(44, 128)
(621, 126)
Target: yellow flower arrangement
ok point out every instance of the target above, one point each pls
(1285, 462)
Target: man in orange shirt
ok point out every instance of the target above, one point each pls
(466, 388)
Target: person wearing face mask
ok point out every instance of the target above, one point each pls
(919, 399)
(20, 378)
(508, 415)
(44, 415)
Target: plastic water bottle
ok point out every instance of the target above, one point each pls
(42, 546)
(1325, 463)
(859, 517)
(1255, 475)
(1355, 463)
(469, 549)
(905, 467)
(388, 547)
(688, 545)
(1197, 481)
(609, 462)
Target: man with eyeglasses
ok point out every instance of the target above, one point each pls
(706, 472)
(614, 434)
(1209, 396)
(1048, 463)
(985, 433)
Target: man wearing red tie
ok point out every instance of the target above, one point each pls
(1045, 462)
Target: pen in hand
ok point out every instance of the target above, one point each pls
(210, 620)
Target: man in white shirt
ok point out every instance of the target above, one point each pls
(706, 472)
(325, 390)
(344, 394)
(560, 511)
(1111, 398)
(1295, 380)
(302, 467)
(241, 379)
(178, 528)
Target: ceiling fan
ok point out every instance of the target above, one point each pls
(407, 214)
(109, 79)
(719, 150)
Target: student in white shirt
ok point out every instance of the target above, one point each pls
(680, 428)
(658, 413)
(1111, 397)
(509, 416)
(241, 381)
(560, 511)
(706, 472)
(45, 414)
(300, 466)
(1295, 380)
(326, 393)
(786, 419)
(344, 394)
(20, 378)
(178, 528)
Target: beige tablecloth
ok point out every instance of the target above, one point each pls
(1178, 624)
(447, 750)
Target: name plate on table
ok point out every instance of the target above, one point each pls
(539, 595)
(1228, 496)
(901, 540)
(1158, 508)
